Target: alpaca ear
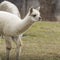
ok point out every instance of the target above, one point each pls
(31, 10)
(38, 8)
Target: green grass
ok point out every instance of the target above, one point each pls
(40, 42)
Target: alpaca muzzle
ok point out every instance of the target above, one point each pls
(40, 18)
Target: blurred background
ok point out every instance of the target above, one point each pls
(42, 40)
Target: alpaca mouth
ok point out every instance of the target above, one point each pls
(40, 19)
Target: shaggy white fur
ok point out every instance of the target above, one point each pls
(9, 7)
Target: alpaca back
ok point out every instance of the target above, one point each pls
(9, 7)
(8, 22)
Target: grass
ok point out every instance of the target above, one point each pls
(40, 42)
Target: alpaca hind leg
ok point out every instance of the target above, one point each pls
(8, 47)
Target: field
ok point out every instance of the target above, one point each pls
(40, 42)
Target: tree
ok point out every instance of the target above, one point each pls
(48, 9)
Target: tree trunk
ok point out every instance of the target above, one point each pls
(48, 9)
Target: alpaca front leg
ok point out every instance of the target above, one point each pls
(18, 43)
(7, 53)
(8, 48)
(18, 49)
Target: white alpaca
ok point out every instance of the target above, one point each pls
(11, 26)
(9, 7)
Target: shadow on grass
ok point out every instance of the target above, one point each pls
(49, 56)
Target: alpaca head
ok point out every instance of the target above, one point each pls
(35, 14)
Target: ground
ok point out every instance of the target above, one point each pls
(40, 42)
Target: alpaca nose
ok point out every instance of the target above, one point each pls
(40, 18)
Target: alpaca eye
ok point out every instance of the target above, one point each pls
(34, 15)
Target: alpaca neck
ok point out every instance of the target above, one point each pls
(26, 23)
